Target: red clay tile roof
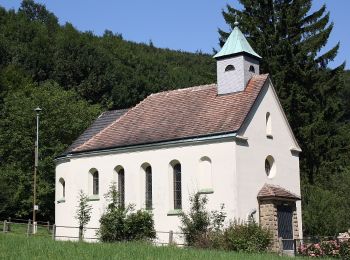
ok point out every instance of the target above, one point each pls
(274, 191)
(178, 114)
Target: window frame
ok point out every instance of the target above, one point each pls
(148, 188)
(95, 183)
(177, 186)
(121, 187)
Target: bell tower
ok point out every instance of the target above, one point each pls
(236, 63)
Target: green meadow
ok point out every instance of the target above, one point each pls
(15, 246)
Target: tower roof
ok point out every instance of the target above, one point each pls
(236, 43)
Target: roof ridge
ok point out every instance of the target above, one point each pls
(199, 87)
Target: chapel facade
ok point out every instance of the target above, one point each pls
(230, 141)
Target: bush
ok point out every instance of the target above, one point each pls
(196, 223)
(330, 248)
(247, 236)
(206, 230)
(122, 223)
(344, 250)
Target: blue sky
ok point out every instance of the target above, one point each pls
(181, 24)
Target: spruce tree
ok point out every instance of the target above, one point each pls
(290, 38)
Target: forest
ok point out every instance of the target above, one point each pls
(74, 76)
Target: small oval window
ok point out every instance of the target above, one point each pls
(229, 68)
(270, 167)
(252, 69)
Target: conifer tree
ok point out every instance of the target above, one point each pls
(290, 38)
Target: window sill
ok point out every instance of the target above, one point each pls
(93, 198)
(61, 201)
(206, 191)
(174, 212)
(269, 136)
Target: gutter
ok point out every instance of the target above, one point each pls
(199, 139)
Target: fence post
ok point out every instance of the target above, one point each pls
(9, 225)
(28, 228)
(171, 237)
(295, 247)
(280, 242)
(48, 226)
(53, 231)
(80, 233)
(5, 228)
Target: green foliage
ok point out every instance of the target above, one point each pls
(344, 250)
(70, 75)
(319, 202)
(83, 212)
(120, 223)
(247, 237)
(63, 118)
(206, 230)
(197, 221)
(290, 37)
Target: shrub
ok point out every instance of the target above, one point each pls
(247, 236)
(140, 226)
(344, 250)
(196, 223)
(121, 223)
(330, 248)
(206, 230)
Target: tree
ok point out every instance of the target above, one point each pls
(290, 38)
(83, 213)
(64, 117)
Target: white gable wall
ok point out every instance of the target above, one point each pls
(75, 173)
(251, 155)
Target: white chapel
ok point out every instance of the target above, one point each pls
(229, 140)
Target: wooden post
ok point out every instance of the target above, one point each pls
(5, 228)
(80, 233)
(9, 225)
(171, 237)
(53, 231)
(48, 226)
(280, 243)
(28, 227)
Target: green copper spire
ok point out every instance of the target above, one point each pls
(236, 43)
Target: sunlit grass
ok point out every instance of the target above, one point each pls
(14, 246)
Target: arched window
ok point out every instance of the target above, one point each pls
(148, 187)
(95, 187)
(270, 167)
(268, 125)
(121, 187)
(229, 68)
(177, 186)
(62, 188)
(251, 68)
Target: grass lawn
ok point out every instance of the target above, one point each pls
(14, 246)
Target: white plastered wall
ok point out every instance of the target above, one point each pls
(251, 155)
(75, 172)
